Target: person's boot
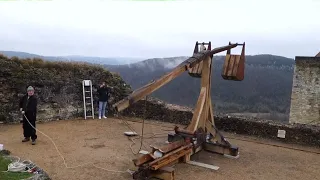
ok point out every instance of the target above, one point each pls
(26, 140)
(34, 142)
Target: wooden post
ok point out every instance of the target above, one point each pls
(201, 114)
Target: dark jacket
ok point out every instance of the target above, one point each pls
(29, 105)
(103, 93)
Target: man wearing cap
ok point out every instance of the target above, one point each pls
(28, 108)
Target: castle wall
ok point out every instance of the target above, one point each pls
(305, 97)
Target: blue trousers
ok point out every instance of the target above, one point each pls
(102, 108)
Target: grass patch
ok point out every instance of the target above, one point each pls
(10, 175)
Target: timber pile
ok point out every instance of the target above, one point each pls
(295, 133)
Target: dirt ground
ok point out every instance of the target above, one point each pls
(102, 142)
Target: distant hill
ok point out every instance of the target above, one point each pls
(89, 59)
(265, 89)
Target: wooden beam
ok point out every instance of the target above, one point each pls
(169, 159)
(193, 126)
(169, 147)
(205, 82)
(165, 173)
(203, 165)
(221, 149)
(169, 154)
(151, 87)
(148, 89)
(143, 159)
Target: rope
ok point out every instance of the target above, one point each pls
(142, 130)
(18, 166)
(24, 166)
(62, 157)
(142, 136)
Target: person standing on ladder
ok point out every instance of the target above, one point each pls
(28, 108)
(103, 92)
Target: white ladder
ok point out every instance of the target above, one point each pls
(87, 98)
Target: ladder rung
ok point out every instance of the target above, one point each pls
(88, 97)
(87, 91)
(88, 103)
(89, 116)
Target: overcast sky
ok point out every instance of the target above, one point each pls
(158, 29)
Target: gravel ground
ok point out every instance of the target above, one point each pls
(102, 142)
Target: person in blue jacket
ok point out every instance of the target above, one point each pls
(103, 92)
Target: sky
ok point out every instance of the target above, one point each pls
(150, 29)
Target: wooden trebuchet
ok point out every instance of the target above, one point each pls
(201, 133)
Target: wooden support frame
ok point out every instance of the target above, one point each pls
(202, 124)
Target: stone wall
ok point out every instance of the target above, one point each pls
(58, 87)
(160, 111)
(305, 98)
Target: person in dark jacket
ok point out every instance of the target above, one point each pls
(103, 92)
(28, 108)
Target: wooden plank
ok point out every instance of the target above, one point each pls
(165, 173)
(203, 165)
(169, 147)
(164, 158)
(221, 149)
(186, 158)
(169, 154)
(206, 83)
(240, 72)
(197, 113)
(143, 159)
(231, 65)
(226, 65)
(236, 65)
(173, 157)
